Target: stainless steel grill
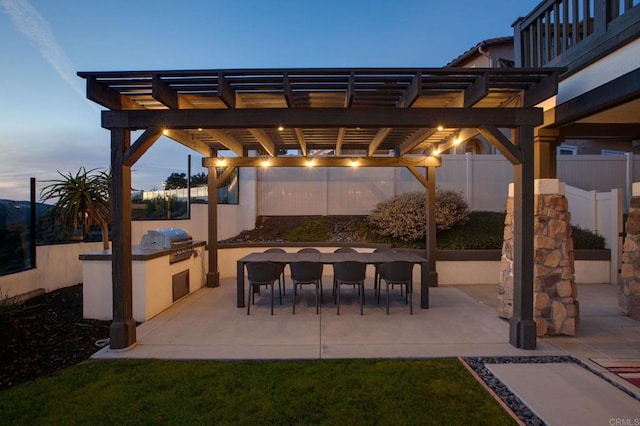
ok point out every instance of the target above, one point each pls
(177, 240)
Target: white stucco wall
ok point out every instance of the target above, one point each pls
(57, 266)
(612, 66)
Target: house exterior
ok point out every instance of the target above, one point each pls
(596, 109)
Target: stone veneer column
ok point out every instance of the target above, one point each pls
(555, 305)
(629, 291)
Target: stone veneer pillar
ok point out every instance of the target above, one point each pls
(555, 305)
(629, 291)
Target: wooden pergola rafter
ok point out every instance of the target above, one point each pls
(390, 117)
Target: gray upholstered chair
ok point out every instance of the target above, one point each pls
(281, 266)
(309, 250)
(376, 274)
(350, 273)
(345, 250)
(306, 273)
(397, 273)
(262, 274)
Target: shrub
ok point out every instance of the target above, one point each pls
(586, 239)
(484, 230)
(314, 230)
(404, 216)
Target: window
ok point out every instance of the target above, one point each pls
(567, 150)
(611, 152)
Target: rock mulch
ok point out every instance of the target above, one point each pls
(46, 334)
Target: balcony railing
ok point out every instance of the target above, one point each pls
(559, 32)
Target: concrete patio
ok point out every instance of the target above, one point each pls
(461, 321)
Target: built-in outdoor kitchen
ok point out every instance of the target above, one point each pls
(167, 265)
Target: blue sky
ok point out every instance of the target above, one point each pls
(47, 124)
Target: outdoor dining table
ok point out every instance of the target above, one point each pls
(376, 258)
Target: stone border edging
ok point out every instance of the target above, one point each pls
(515, 404)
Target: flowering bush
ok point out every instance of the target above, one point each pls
(405, 216)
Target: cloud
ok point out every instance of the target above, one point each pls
(37, 29)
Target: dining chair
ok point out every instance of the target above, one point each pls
(306, 273)
(349, 272)
(401, 273)
(342, 250)
(281, 265)
(309, 250)
(345, 250)
(262, 274)
(376, 274)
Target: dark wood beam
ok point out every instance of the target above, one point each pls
(301, 141)
(341, 132)
(107, 97)
(611, 94)
(377, 140)
(141, 145)
(221, 136)
(600, 130)
(163, 93)
(224, 176)
(476, 91)
(542, 91)
(421, 161)
(348, 98)
(187, 139)
(416, 173)
(226, 94)
(415, 140)
(502, 143)
(457, 138)
(288, 93)
(226, 139)
(264, 140)
(323, 118)
(412, 92)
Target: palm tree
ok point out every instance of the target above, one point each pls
(81, 200)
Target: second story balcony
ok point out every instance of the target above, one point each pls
(574, 33)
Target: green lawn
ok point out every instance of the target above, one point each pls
(343, 392)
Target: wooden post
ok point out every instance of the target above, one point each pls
(522, 327)
(213, 276)
(545, 142)
(431, 227)
(123, 327)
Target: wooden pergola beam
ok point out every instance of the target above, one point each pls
(377, 140)
(264, 140)
(226, 94)
(457, 138)
(187, 139)
(141, 145)
(339, 140)
(418, 161)
(502, 143)
(415, 140)
(106, 96)
(225, 139)
(164, 94)
(255, 118)
(301, 141)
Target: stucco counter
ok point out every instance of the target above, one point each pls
(157, 283)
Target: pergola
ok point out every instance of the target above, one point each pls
(394, 117)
